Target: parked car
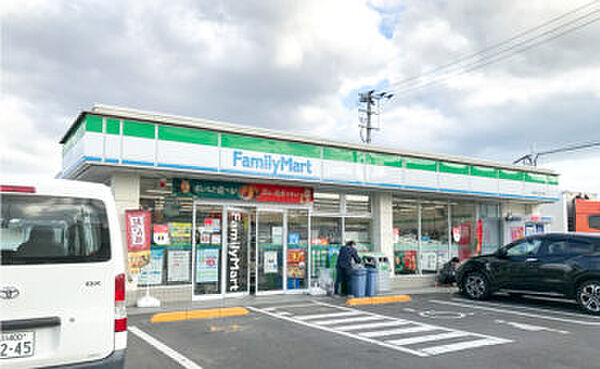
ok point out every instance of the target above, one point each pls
(566, 265)
(62, 279)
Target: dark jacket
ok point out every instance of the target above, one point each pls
(347, 253)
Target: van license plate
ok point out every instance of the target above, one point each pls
(16, 344)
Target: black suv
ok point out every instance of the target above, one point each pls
(559, 264)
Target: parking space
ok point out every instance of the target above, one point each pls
(432, 331)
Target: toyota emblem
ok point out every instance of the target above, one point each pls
(9, 293)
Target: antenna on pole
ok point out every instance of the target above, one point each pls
(369, 105)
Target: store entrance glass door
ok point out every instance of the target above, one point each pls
(208, 250)
(270, 251)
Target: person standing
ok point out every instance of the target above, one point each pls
(344, 267)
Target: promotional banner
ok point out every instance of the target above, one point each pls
(152, 273)
(160, 234)
(137, 224)
(296, 263)
(237, 249)
(207, 265)
(242, 191)
(270, 265)
(178, 265)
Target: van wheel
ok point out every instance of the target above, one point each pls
(588, 296)
(476, 286)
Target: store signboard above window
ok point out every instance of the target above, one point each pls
(242, 191)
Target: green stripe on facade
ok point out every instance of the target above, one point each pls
(113, 126)
(188, 135)
(93, 123)
(535, 178)
(136, 129)
(484, 172)
(270, 146)
(454, 168)
(352, 156)
(511, 174)
(384, 160)
(421, 164)
(553, 180)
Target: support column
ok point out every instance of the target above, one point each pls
(126, 191)
(383, 226)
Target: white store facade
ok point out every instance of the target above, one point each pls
(238, 210)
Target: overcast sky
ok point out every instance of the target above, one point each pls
(297, 66)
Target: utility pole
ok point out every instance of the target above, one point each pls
(370, 99)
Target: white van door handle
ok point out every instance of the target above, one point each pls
(531, 260)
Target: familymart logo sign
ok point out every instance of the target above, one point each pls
(273, 164)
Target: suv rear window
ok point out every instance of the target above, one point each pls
(47, 229)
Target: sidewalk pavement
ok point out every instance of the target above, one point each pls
(253, 300)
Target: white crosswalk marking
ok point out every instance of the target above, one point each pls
(346, 320)
(429, 338)
(382, 330)
(390, 332)
(330, 315)
(372, 325)
(436, 350)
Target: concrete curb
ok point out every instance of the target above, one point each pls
(377, 300)
(198, 314)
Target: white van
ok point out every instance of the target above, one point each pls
(62, 276)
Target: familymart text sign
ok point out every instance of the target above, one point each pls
(271, 165)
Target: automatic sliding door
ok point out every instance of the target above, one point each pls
(208, 250)
(297, 249)
(270, 250)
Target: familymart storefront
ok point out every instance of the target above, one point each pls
(235, 210)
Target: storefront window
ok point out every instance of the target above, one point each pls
(491, 226)
(358, 204)
(434, 238)
(209, 250)
(326, 202)
(359, 231)
(326, 240)
(297, 249)
(464, 226)
(406, 237)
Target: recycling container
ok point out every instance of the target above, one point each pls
(371, 285)
(358, 282)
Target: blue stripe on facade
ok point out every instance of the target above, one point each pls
(136, 162)
(178, 166)
(92, 158)
(339, 181)
(234, 171)
(112, 161)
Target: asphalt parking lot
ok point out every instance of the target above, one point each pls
(432, 331)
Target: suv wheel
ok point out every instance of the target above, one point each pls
(477, 286)
(588, 296)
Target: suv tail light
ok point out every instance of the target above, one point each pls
(120, 310)
(23, 189)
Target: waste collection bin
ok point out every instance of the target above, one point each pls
(371, 286)
(382, 264)
(358, 282)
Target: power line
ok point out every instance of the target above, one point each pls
(495, 46)
(483, 63)
(531, 159)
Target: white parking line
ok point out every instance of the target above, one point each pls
(429, 338)
(436, 350)
(176, 356)
(373, 325)
(391, 332)
(473, 305)
(545, 311)
(328, 315)
(347, 320)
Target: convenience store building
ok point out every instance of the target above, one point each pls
(237, 210)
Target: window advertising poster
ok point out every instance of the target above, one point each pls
(160, 234)
(138, 238)
(152, 272)
(296, 263)
(180, 234)
(270, 265)
(215, 239)
(207, 265)
(205, 238)
(405, 261)
(293, 238)
(277, 235)
(178, 265)
(212, 225)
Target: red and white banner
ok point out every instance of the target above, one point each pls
(137, 223)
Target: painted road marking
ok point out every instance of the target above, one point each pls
(545, 311)
(370, 332)
(346, 320)
(429, 338)
(176, 356)
(373, 325)
(530, 327)
(436, 350)
(328, 315)
(391, 332)
(505, 311)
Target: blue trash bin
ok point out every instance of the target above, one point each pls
(371, 287)
(358, 282)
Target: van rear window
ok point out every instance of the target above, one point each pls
(47, 229)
